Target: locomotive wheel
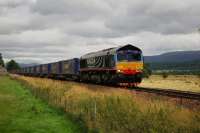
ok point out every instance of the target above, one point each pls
(99, 79)
(105, 78)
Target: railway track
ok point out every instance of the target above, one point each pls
(171, 93)
(164, 92)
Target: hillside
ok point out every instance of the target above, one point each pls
(180, 61)
(177, 57)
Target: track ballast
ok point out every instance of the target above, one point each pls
(171, 93)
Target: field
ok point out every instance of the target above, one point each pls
(20, 112)
(177, 82)
(114, 110)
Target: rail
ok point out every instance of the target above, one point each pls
(171, 93)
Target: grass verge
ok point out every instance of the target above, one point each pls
(20, 112)
(115, 110)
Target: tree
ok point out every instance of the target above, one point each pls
(1, 61)
(147, 71)
(12, 65)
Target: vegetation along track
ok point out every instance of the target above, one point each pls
(164, 92)
(171, 93)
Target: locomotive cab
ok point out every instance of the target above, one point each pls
(129, 64)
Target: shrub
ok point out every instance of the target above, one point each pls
(147, 71)
(165, 75)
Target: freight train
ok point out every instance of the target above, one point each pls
(120, 65)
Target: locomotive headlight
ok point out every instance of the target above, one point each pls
(118, 71)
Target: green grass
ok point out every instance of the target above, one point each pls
(20, 112)
(115, 110)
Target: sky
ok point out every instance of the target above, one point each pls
(41, 31)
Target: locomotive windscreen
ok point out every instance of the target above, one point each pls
(129, 55)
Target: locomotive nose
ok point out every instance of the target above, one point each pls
(129, 68)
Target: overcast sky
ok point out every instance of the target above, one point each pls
(50, 30)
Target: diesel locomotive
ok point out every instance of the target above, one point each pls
(120, 65)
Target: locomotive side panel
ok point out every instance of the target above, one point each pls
(98, 63)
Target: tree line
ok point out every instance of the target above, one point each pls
(10, 65)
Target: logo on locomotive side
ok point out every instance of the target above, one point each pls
(91, 61)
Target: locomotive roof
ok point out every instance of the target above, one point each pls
(109, 51)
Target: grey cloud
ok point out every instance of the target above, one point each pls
(76, 10)
(49, 30)
(155, 43)
(167, 17)
(14, 3)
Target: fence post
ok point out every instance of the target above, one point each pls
(95, 110)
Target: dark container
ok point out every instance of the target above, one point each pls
(37, 69)
(70, 67)
(44, 68)
(48, 68)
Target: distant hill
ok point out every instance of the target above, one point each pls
(177, 57)
(181, 62)
(27, 65)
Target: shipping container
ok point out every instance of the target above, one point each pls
(44, 69)
(70, 67)
(31, 70)
(55, 68)
(37, 69)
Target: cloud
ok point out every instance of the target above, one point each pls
(48, 30)
(166, 17)
(76, 10)
(156, 43)
(15, 3)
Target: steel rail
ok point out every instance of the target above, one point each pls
(170, 93)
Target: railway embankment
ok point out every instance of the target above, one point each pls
(110, 109)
